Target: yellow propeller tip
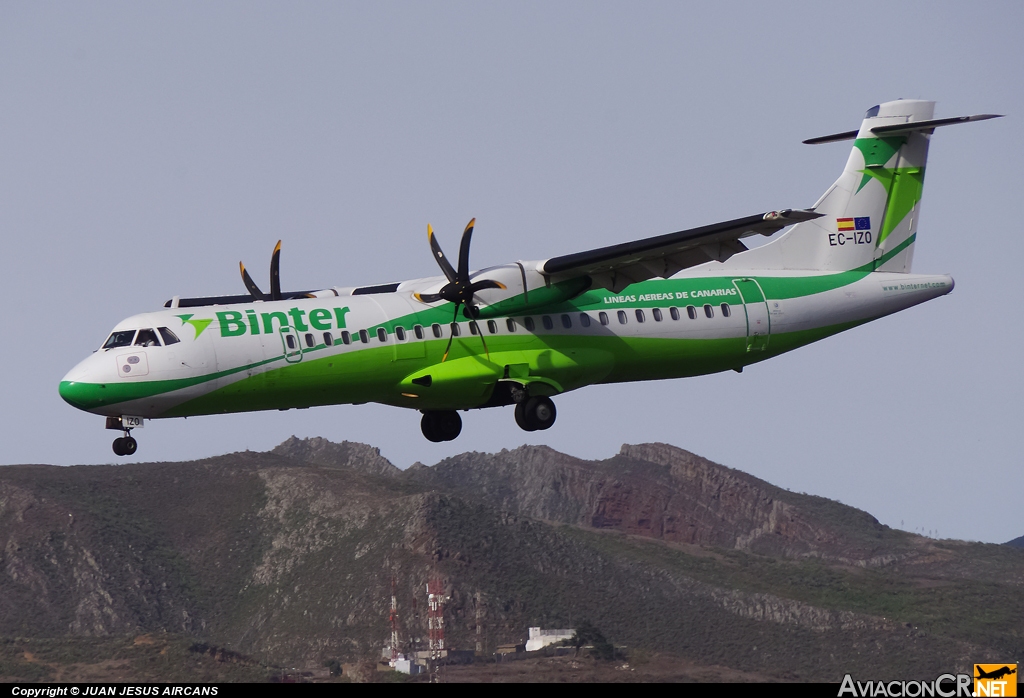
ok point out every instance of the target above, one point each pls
(277, 247)
(502, 286)
(430, 230)
(471, 223)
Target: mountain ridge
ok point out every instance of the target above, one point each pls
(289, 555)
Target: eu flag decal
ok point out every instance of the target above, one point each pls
(862, 223)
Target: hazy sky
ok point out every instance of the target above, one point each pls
(145, 148)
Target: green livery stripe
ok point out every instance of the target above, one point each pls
(874, 264)
(92, 395)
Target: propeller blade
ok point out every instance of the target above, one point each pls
(455, 318)
(467, 236)
(428, 297)
(487, 283)
(442, 261)
(250, 285)
(486, 351)
(275, 273)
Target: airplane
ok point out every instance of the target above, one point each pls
(995, 674)
(688, 303)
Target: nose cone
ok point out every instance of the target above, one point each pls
(79, 394)
(83, 387)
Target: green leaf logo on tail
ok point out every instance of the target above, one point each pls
(197, 325)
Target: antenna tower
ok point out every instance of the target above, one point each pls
(393, 618)
(435, 620)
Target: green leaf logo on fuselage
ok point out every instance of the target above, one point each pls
(197, 325)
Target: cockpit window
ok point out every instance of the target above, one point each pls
(147, 338)
(119, 339)
(169, 337)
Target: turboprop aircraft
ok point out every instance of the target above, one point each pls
(683, 304)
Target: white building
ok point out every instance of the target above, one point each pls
(542, 638)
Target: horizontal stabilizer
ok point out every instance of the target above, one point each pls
(896, 129)
(844, 136)
(899, 129)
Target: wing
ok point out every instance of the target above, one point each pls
(618, 266)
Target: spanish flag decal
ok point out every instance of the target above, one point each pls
(862, 223)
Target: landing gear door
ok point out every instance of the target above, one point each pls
(292, 346)
(756, 308)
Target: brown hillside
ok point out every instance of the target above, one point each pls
(287, 557)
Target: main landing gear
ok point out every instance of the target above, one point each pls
(532, 414)
(126, 445)
(535, 414)
(441, 426)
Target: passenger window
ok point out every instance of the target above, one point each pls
(691, 312)
(657, 314)
(510, 324)
(726, 310)
(674, 312)
(290, 339)
(147, 338)
(640, 315)
(455, 329)
(310, 342)
(400, 333)
(548, 324)
(382, 334)
(364, 337)
(328, 339)
(603, 317)
(492, 327)
(418, 331)
(709, 311)
(436, 329)
(528, 322)
(622, 317)
(584, 319)
(346, 338)
(566, 322)
(473, 327)
(169, 337)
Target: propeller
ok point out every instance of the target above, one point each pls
(275, 278)
(459, 289)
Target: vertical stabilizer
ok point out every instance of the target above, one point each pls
(871, 212)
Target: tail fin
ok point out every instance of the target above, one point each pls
(871, 212)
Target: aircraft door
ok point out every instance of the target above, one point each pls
(756, 308)
(291, 344)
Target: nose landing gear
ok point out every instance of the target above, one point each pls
(125, 445)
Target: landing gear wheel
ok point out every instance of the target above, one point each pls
(125, 446)
(536, 414)
(441, 426)
(521, 419)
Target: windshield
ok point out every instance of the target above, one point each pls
(119, 339)
(169, 337)
(147, 338)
